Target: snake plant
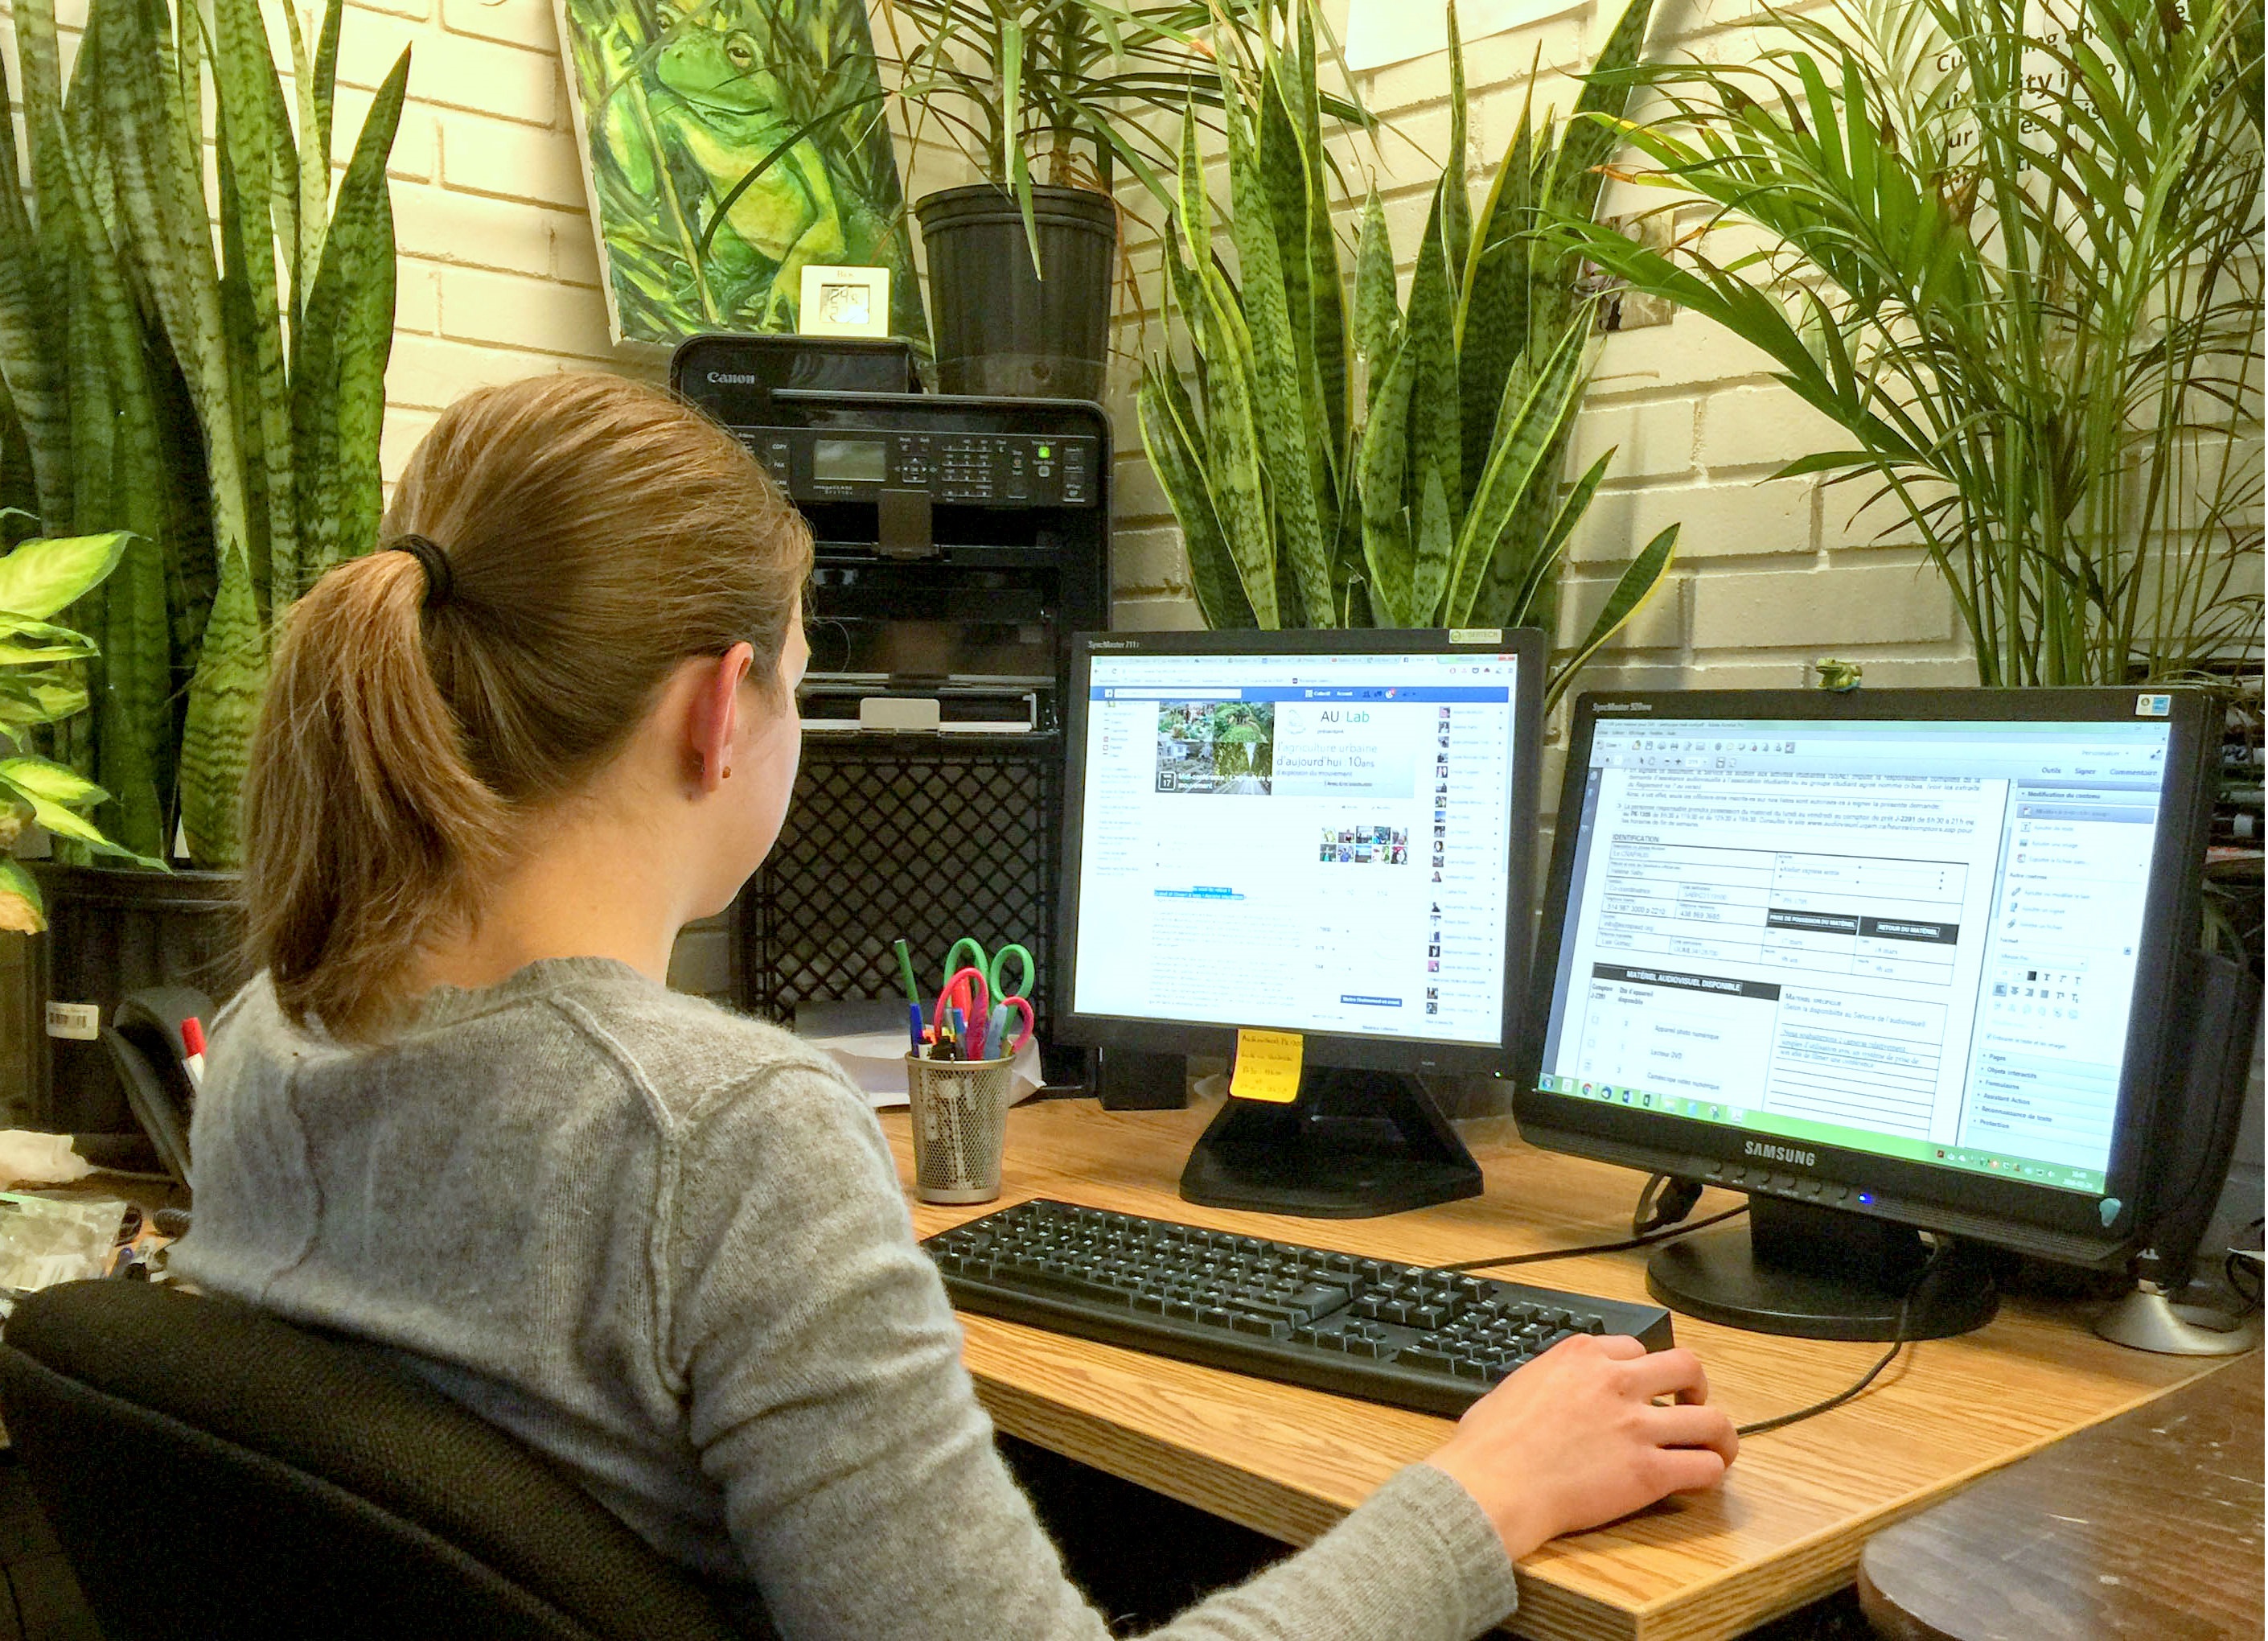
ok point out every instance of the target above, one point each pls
(223, 417)
(1431, 494)
(2013, 255)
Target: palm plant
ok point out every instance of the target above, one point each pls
(226, 420)
(2013, 252)
(1432, 495)
(1075, 83)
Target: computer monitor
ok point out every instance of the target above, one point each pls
(1883, 959)
(1319, 832)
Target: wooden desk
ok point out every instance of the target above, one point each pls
(2147, 1528)
(1787, 1526)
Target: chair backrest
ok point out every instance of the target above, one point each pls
(213, 1471)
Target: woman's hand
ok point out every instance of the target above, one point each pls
(1575, 1439)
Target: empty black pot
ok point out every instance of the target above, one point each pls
(1001, 329)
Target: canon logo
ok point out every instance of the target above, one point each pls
(731, 379)
(1781, 1154)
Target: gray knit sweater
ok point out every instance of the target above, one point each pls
(666, 1246)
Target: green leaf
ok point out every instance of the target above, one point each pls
(1436, 540)
(1639, 583)
(46, 574)
(1011, 115)
(48, 643)
(30, 697)
(1377, 307)
(1279, 403)
(1525, 608)
(21, 910)
(1538, 406)
(223, 706)
(1169, 437)
(1387, 549)
(1456, 197)
(32, 341)
(338, 378)
(1435, 439)
(1575, 178)
(39, 780)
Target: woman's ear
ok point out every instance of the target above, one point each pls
(716, 716)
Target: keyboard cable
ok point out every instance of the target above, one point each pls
(1670, 1233)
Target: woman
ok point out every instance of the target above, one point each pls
(460, 1114)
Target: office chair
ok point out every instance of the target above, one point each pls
(213, 1471)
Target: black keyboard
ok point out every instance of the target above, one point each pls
(1434, 1341)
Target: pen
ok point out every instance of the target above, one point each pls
(906, 972)
(997, 1036)
(960, 1033)
(913, 1025)
(193, 1052)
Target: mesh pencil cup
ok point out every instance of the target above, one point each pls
(960, 1112)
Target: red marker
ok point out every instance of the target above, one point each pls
(192, 1051)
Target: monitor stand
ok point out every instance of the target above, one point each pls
(1818, 1273)
(1353, 1145)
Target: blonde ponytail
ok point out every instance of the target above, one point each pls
(596, 533)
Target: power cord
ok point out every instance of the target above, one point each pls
(1666, 1200)
(1658, 1217)
(1898, 1342)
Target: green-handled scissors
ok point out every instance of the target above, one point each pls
(993, 969)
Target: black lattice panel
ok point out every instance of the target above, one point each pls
(884, 842)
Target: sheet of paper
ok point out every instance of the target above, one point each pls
(1380, 32)
(1268, 1066)
(876, 1061)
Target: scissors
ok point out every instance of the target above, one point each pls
(978, 987)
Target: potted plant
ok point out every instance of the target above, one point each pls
(1432, 495)
(2015, 259)
(225, 420)
(1047, 99)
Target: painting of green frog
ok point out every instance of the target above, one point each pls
(729, 143)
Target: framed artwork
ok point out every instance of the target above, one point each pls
(728, 144)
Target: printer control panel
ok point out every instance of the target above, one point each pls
(983, 469)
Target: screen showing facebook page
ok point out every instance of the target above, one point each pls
(1307, 843)
(1911, 939)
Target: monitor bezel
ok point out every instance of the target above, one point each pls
(2028, 1217)
(1417, 1054)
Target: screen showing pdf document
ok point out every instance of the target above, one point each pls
(1912, 939)
(1311, 843)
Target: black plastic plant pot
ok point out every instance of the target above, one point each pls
(999, 327)
(113, 931)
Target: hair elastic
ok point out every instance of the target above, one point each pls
(440, 579)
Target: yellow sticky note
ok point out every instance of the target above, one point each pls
(1268, 1066)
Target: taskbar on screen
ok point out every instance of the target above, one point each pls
(2031, 1171)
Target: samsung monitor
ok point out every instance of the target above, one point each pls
(1885, 960)
(1327, 833)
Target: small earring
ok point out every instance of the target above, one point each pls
(728, 772)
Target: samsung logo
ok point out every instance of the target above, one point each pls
(1622, 706)
(1781, 1154)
